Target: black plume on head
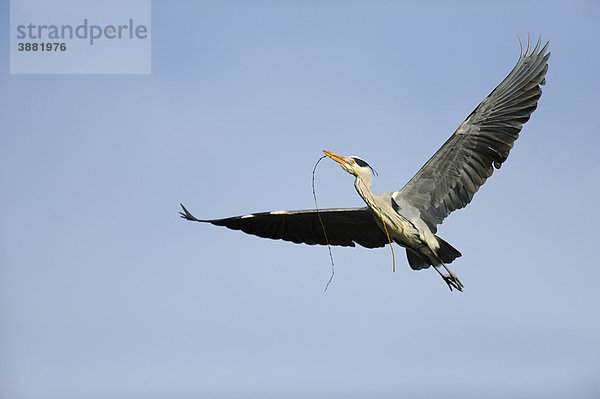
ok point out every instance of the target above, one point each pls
(363, 164)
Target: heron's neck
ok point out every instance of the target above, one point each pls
(364, 190)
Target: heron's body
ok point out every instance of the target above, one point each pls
(412, 234)
(447, 182)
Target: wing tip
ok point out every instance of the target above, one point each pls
(188, 216)
(185, 214)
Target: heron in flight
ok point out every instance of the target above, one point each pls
(447, 182)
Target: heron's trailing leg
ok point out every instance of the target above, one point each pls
(450, 278)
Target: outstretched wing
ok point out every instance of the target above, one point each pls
(344, 227)
(453, 175)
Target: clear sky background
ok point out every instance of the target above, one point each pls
(106, 293)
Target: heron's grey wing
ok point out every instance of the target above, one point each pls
(453, 175)
(344, 227)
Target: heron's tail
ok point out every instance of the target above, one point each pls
(447, 253)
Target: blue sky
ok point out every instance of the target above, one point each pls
(106, 293)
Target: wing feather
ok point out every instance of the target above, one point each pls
(345, 227)
(483, 141)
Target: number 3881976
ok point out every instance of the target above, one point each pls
(42, 46)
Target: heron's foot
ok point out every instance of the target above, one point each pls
(452, 281)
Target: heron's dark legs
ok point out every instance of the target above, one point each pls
(450, 278)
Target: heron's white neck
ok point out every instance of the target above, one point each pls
(364, 190)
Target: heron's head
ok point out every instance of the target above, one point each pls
(353, 165)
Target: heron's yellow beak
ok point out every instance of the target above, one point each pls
(337, 158)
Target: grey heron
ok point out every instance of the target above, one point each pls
(447, 182)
